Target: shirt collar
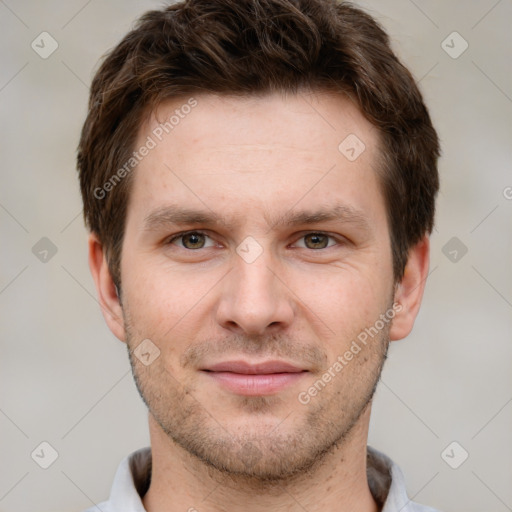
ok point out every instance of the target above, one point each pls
(386, 481)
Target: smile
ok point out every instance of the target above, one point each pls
(257, 379)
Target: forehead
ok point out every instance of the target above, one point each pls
(312, 119)
(266, 152)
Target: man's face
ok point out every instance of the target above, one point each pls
(262, 294)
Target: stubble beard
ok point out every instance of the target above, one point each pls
(272, 453)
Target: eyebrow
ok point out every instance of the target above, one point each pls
(178, 215)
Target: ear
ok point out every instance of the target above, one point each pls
(409, 291)
(105, 287)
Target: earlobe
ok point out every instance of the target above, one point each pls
(105, 287)
(409, 291)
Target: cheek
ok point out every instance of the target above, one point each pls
(167, 301)
(162, 301)
(345, 300)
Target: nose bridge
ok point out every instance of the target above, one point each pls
(254, 279)
(253, 298)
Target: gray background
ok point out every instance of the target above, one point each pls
(65, 379)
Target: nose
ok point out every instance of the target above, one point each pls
(254, 298)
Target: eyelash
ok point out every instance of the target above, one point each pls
(184, 233)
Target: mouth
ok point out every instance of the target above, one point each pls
(254, 379)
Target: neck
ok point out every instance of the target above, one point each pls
(338, 482)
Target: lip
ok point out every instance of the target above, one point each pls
(262, 368)
(254, 379)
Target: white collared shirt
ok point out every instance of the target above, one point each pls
(132, 479)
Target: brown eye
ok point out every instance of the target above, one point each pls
(192, 240)
(316, 241)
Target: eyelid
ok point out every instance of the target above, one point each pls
(338, 238)
(177, 236)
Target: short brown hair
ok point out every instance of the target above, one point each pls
(249, 47)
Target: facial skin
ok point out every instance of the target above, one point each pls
(253, 163)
